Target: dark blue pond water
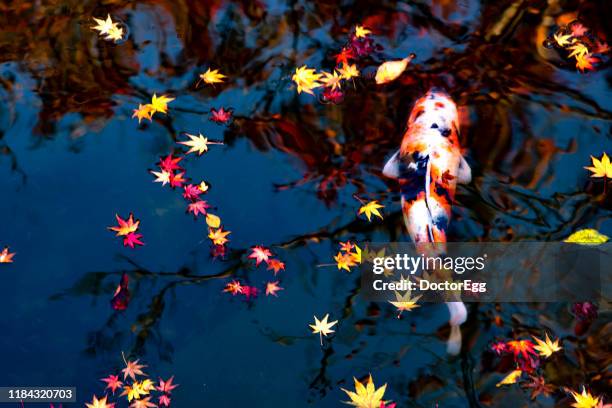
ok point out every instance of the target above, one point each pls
(73, 157)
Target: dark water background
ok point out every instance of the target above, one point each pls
(72, 157)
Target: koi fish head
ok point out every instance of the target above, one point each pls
(436, 114)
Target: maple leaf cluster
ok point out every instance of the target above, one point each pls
(576, 41)
(261, 255)
(360, 45)
(109, 30)
(348, 256)
(139, 390)
(158, 104)
(127, 229)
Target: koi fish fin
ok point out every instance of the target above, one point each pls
(464, 173)
(392, 167)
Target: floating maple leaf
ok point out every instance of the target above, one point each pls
(323, 327)
(105, 27)
(499, 347)
(601, 167)
(212, 77)
(164, 401)
(122, 295)
(366, 396)
(306, 79)
(511, 378)
(404, 302)
(170, 163)
(218, 236)
(344, 261)
(250, 292)
(220, 116)
(99, 403)
(160, 103)
(272, 288)
(586, 62)
(332, 95)
(578, 50)
(162, 177)
(276, 266)
(125, 226)
(578, 29)
(143, 112)
(539, 387)
(361, 32)
(198, 144)
(546, 347)
(348, 71)
(521, 347)
(132, 369)
(142, 403)
(6, 256)
(115, 34)
(191, 192)
(234, 287)
(177, 180)
(166, 386)
(112, 383)
(331, 80)
(132, 239)
(585, 399)
(563, 39)
(343, 57)
(197, 207)
(260, 254)
(371, 208)
(212, 220)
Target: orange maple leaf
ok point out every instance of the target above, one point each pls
(5, 256)
(125, 226)
(218, 236)
(276, 266)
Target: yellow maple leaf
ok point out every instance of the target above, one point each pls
(579, 50)
(366, 396)
(601, 167)
(323, 327)
(115, 34)
(587, 236)
(563, 39)
(371, 208)
(218, 236)
(331, 80)
(212, 77)
(546, 347)
(104, 26)
(212, 220)
(404, 302)
(348, 71)
(585, 400)
(361, 31)
(306, 79)
(345, 261)
(356, 255)
(99, 403)
(203, 187)
(162, 177)
(198, 144)
(143, 112)
(160, 103)
(511, 378)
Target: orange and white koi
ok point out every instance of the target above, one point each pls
(428, 166)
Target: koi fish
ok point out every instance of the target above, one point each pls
(428, 166)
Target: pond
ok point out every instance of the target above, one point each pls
(286, 177)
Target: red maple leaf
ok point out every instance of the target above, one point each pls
(166, 386)
(191, 192)
(121, 298)
(250, 292)
(198, 207)
(499, 347)
(112, 382)
(260, 254)
(345, 55)
(132, 239)
(276, 266)
(521, 347)
(170, 163)
(177, 180)
(578, 30)
(164, 401)
(333, 95)
(220, 116)
(218, 251)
